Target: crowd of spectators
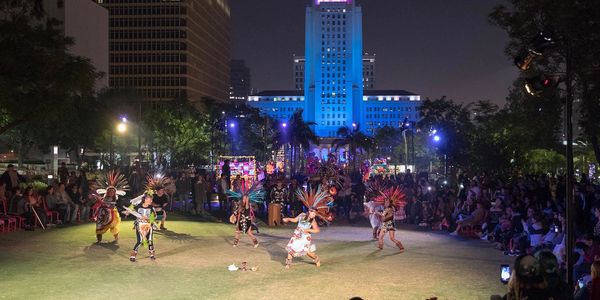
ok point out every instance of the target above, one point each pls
(520, 216)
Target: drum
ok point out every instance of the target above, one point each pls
(274, 214)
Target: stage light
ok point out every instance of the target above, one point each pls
(284, 125)
(354, 125)
(231, 125)
(436, 138)
(535, 86)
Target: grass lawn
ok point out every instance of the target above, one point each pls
(193, 255)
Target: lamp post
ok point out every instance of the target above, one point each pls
(121, 128)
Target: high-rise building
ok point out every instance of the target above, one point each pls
(239, 81)
(87, 23)
(299, 63)
(368, 68)
(368, 63)
(333, 69)
(338, 78)
(170, 49)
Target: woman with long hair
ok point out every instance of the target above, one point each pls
(242, 218)
(301, 242)
(318, 204)
(392, 199)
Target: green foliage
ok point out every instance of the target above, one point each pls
(39, 78)
(37, 186)
(543, 161)
(180, 132)
(356, 141)
(576, 35)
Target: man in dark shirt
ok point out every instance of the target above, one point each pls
(160, 202)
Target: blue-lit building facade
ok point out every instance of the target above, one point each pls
(333, 94)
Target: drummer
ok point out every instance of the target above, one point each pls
(278, 196)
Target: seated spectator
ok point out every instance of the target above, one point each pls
(33, 209)
(535, 233)
(67, 202)
(75, 195)
(476, 218)
(54, 204)
(492, 221)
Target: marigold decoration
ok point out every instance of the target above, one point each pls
(111, 180)
(394, 194)
(319, 200)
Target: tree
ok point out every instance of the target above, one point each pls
(576, 39)
(452, 123)
(356, 140)
(299, 135)
(180, 134)
(39, 78)
(386, 139)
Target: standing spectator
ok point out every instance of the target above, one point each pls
(63, 173)
(183, 190)
(226, 171)
(222, 188)
(595, 287)
(75, 194)
(200, 193)
(11, 178)
(160, 202)
(236, 184)
(83, 184)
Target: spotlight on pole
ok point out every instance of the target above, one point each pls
(536, 86)
(538, 45)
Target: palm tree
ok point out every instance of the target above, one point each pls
(299, 135)
(355, 139)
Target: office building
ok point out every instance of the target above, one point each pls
(170, 49)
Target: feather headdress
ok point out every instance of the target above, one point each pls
(156, 182)
(153, 183)
(394, 194)
(319, 200)
(255, 193)
(374, 187)
(112, 180)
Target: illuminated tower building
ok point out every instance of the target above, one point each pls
(333, 86)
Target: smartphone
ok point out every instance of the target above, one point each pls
(556, 228)
(504, 273)
(581, 283)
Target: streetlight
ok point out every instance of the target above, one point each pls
(437, 138)
(121, 128)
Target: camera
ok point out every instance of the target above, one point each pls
(504, 273)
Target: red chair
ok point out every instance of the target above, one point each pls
(10, 221)
(50, 213)
(19, 221)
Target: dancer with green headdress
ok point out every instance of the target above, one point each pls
(243, 214)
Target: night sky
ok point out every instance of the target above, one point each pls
(429, 47)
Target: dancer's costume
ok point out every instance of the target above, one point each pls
(321, 201)
(243, 217)
(398, 200)
(105, 210)
(145, 217)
